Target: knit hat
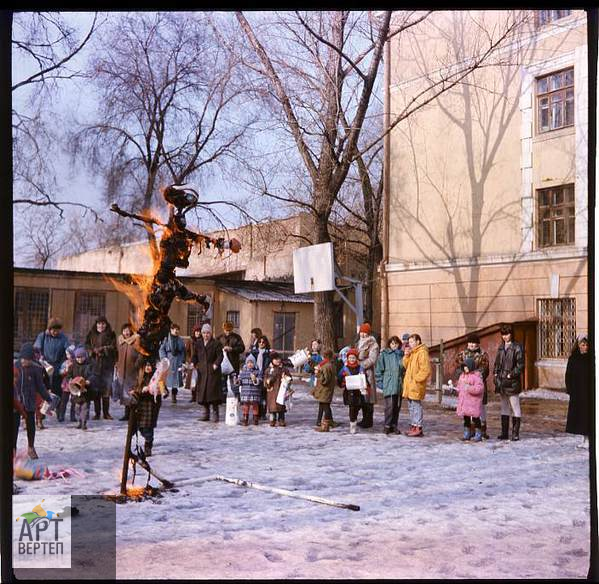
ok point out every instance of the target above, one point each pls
(251, 358)
(469, 362)
(80, 352)
(405, 337)
(27, 351)
(353, 352)
(473, 338)
(365, 328)
(206, 328)
(54, 323)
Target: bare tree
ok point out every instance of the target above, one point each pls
(167, 113)
(45, 47)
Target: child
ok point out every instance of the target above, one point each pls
(351, 397)
(272, 382)
(65, 374)
(315, 359)
(323, 392)
(78, 383)
(146, 407)
(470, 390)
(250, 391)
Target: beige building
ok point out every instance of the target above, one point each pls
(486, 193)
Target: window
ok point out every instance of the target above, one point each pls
(555, 216)
(546, 16)
(88, 307)
(557, 327)
(195, 315)
(31, 314)
(284, 333)
(233, 316)
(555, 100)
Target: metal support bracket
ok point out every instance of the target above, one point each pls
(358, 307)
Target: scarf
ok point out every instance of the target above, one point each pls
(260, 359)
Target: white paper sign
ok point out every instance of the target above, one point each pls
(283, 390)
(356, 382)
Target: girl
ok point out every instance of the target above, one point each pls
(78, 383)
(323, 392)
(65, 374)
(250, 391)
(351, 397)
(147, 408)
(272, 382)
(470, 390)
(315, 359)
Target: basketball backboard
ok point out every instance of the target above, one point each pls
(314, 268)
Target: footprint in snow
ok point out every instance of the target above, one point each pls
(272, 557)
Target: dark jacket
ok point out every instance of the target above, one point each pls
(237, 345)
(208, 387)
(146, 408)
(325, 383)
(578, 386)
(102, 349)
(126, 366)
(389, 372)
(351, 397)
(509, 362)
(54, 348)
(28, 382)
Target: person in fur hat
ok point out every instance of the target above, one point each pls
(272, 382)
(79, 383)
(126, 371)
(368, 353)
(101, 346)
(250, 391)
(351, 397)
(147, 407)
(470, 390)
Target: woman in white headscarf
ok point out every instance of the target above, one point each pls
(207, 357)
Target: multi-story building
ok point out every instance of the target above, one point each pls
(486, 192)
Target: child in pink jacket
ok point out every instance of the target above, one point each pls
(470, 390)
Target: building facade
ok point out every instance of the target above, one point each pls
(486, 214)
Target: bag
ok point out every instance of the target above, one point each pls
(283, 390)
(299, 358)
(225, 367)
(356, 382)
(232, 412)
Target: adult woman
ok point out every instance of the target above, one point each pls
(262, 355)
(207, 357)
(101, 345)
(578, 386)
(389, 373)
(126, 370)
(368, 352)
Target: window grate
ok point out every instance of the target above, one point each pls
(88, 307)
(557, 327)
(31, 314)
(233, 316)
(284, 333)
(195, 316)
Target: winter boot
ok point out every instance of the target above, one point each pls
(125, 416)
(31, 453)
(72, 417)
(483, 430)
(367, 416)
(387, 430)
(193, 396)
(97, 407)
(505, 427)
(478, 435)
(148, 448)
(516, 428)
(324, 426)
(206, 415)
(333, 424)
(79, 425)
(106, 407)
(467, 433)
(245, 420)
(174, 395)
(84, 427)
(215, 412)
(352, 427)
(282, 422)
(273, 422)
(415, 431)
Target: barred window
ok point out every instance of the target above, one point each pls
(556, 220)
(233, 316)
(31, 314)
(195, 316)
(555, 100)
(546, 16)
(88, 307)
(557, 327)
(284, 333)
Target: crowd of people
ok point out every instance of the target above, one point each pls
(105, 367)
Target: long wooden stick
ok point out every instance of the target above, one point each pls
(127, 453)
(287, 493)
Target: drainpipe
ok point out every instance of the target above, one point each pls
(386, 193)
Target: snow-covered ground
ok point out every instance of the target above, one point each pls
(431, 507)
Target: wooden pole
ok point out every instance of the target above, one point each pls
(287, 493)
(127, 454)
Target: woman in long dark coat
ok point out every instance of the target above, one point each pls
(207, 357)
(579, 388)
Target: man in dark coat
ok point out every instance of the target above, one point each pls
(28, 381)
(233, 348)
(508, 369)
(207, 357)
(578, 386)
(101, 345)
(52, 345)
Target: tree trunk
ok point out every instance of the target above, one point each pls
(324, 311)
(375, 255)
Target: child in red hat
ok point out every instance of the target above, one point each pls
(351, 397)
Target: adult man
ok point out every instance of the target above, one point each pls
(52, 344)
(173, 348)
(509, 365)
(418, 369)
(233, 347)
(481, 362)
